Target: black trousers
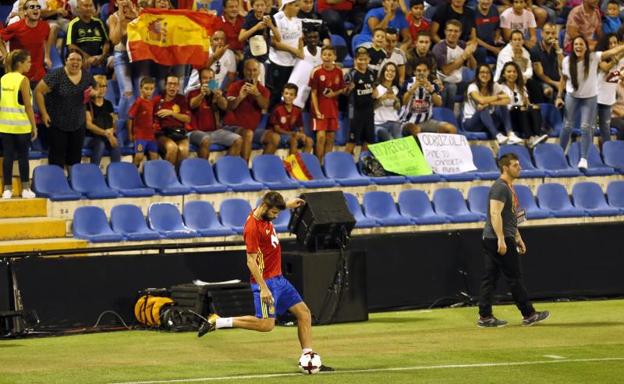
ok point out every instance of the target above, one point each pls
(509, 266)
(15, 147)
(526, 123)
(65, 146)
(277, 78)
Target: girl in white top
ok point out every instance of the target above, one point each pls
(387, 104)
(486, 107)
(580, 80)
(608, 79)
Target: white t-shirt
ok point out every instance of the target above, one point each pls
(397, 57)
(451, 55)
(221, 67)
(506, 55)
(587, 87)
(300, 75)
(516, 96)
(470, 105)
(608, 83)
(385, 111)
(509, 20)
(291, 31)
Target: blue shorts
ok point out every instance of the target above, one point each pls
(284, 297)
(142, 146)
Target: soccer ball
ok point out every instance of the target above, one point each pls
(310, 363)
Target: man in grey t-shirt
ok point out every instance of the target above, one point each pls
(502, 247)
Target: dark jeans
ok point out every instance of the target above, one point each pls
(65, 146)
(509, 265)
(527, 123)
(15, 147)
(277, 78)
(98, 144)
(491, 121)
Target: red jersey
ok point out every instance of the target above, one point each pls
(248, 113)
(231, 31)
(142, 112)
(415, 29)
(346, 5)
(202, 117)
(261, 239)
(287, 121)
(21, 36)
(177, 105)
(322, 79)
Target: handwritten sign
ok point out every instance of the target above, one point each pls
(401, 156)
(446, 153)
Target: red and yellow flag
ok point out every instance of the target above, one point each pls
(171, 36)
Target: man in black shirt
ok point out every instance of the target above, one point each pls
(457, 10)
(546, 57)
(87, 34)
(503, 245)
(361, 113)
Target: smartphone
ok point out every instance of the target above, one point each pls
(213, 84)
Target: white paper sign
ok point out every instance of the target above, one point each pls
(446, 153)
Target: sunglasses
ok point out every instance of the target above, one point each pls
(31, 7)
(218, 68)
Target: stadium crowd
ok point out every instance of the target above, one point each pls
(491, 63)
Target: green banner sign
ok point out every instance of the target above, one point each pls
(401, 156)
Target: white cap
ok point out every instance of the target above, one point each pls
(285, 2)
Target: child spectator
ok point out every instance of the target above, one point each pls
(141, 123)
(376, 51)
(362, 92)
(611, 21)
(255, 32)
(101, 122)
(416, 20)
(286, 121)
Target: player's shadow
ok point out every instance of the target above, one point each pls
(589, 324)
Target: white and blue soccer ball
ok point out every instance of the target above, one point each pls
(310, 363)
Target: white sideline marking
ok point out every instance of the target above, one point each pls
(556, 357)
(373, 370)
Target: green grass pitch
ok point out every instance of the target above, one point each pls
(582, 342)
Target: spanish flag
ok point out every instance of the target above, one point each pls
(296, 167)
(171, 36)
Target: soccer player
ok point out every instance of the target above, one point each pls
(273, 294)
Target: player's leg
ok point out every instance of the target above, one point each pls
(304, 324)
(320, 145)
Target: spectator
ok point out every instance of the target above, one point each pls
(118, 23)
(611, 21)
(326, 83)
(421, 50)
(394, 54)
(287, 49)
(515, 51)
(608, 79)
(416, 20)
(362, 92)
(101, 122)
(617, 117)
(487, 29)
(452, 55)
(247, 98)
(455, 10)
(336, 12)
(418, 102)
(584, 20)
(300, 75)
(141, 123)
(309, 17)
(206, 104)
(231, 23)
(376, 51)
(485, 108)
(222, 61)
(387, 16)
(519, 18)
(387, 104)
(256, 31)
(171, 115)
(29, 33)
(525, 117)
(88, 35)
(17, 121)
(286, 121)
(60, 97)
(546, 57)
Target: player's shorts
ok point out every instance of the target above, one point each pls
(219, 137)
(143, 146)
(362, 128)
(329, 124)
(284, 297)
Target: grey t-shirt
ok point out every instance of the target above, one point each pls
(500, 191)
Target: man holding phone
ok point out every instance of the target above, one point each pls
(546, 58)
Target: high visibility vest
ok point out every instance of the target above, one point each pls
(13, 117)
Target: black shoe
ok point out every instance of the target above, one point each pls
(490, 322)
(536, 317)
(325, 368)
(208, 326)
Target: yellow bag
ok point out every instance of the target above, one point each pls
(147, 309)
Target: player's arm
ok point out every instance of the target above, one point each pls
(496, 209)
(252, 264)
(295, 203)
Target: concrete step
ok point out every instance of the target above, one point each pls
(41, 245)
(14, 208)
(31, 228)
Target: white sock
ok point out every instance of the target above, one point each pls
(306, 350)
(224, 322)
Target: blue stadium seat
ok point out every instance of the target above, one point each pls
(319, 180)
(589, 196)
(380, 180)
(446, 115)
(201, 217)
(50, 181)
(361, 221)
(450, 202)
(124, 178)
(615, 194)
(89, 181)
(128, 221)
(554, 197)
(596, 167)
(160, 175)
(217, 5)
(613, 154)
(527, 202)
(380, 206)
(485, 162)
(340, 167)
(90, 223)
(281, 221)
(528, 169)
(269, 170)
(234, 213)
(478, 200)
(233, 172)
(340, 138)
(197, 174)
(433, 178)
(551, 116)
(342, 50)
(415, 204)
(165, 219)
(551, 159)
